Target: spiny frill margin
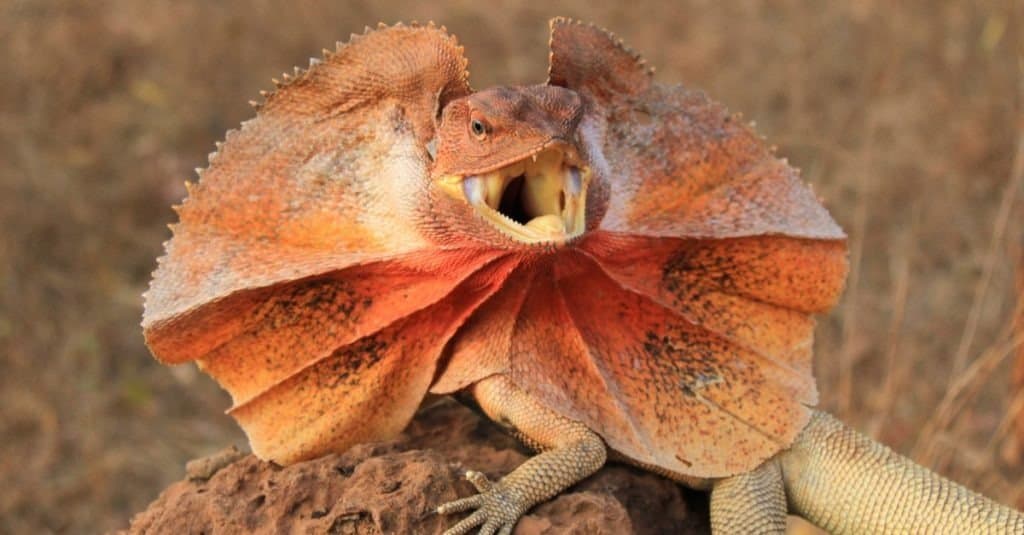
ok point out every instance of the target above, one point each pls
(680, 327)
(295, 259)
(637, 62)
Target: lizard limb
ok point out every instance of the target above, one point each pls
(847, 483)
(571, 452)
(754, 502)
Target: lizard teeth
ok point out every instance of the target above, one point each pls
(573, 182)
(484, 190)
(474, 190)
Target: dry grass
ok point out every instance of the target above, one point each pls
(906, 117)
(1013, 450)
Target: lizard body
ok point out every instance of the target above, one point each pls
(609, 266)
(831, 475)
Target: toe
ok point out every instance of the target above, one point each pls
(480, 481)
(468, 523)
(464, 504)
(490, 527)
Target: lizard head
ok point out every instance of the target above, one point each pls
(513, 154)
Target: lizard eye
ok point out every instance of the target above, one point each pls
(478, 128)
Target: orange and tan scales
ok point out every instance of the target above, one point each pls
(606, 264)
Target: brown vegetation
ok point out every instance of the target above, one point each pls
(1015, 410)
(907, 117)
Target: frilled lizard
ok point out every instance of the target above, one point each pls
(608, 266)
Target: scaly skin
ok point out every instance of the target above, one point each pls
(847, 483)
(754, 502)
(571, 452)
(833, 476)
(608, 264)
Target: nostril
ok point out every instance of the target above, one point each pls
(561, 201)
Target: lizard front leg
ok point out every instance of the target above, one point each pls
(570, 452)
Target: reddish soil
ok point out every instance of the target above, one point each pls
(393, 487)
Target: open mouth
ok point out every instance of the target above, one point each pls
(540, 198)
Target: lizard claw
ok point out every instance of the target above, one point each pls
(497, 509)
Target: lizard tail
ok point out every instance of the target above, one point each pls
(845, 482)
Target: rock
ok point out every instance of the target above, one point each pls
(393, 487)
(203, 469)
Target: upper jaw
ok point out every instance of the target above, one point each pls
(540, 198)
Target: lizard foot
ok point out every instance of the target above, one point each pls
(498, 507)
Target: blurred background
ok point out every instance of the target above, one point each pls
(907, 117)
